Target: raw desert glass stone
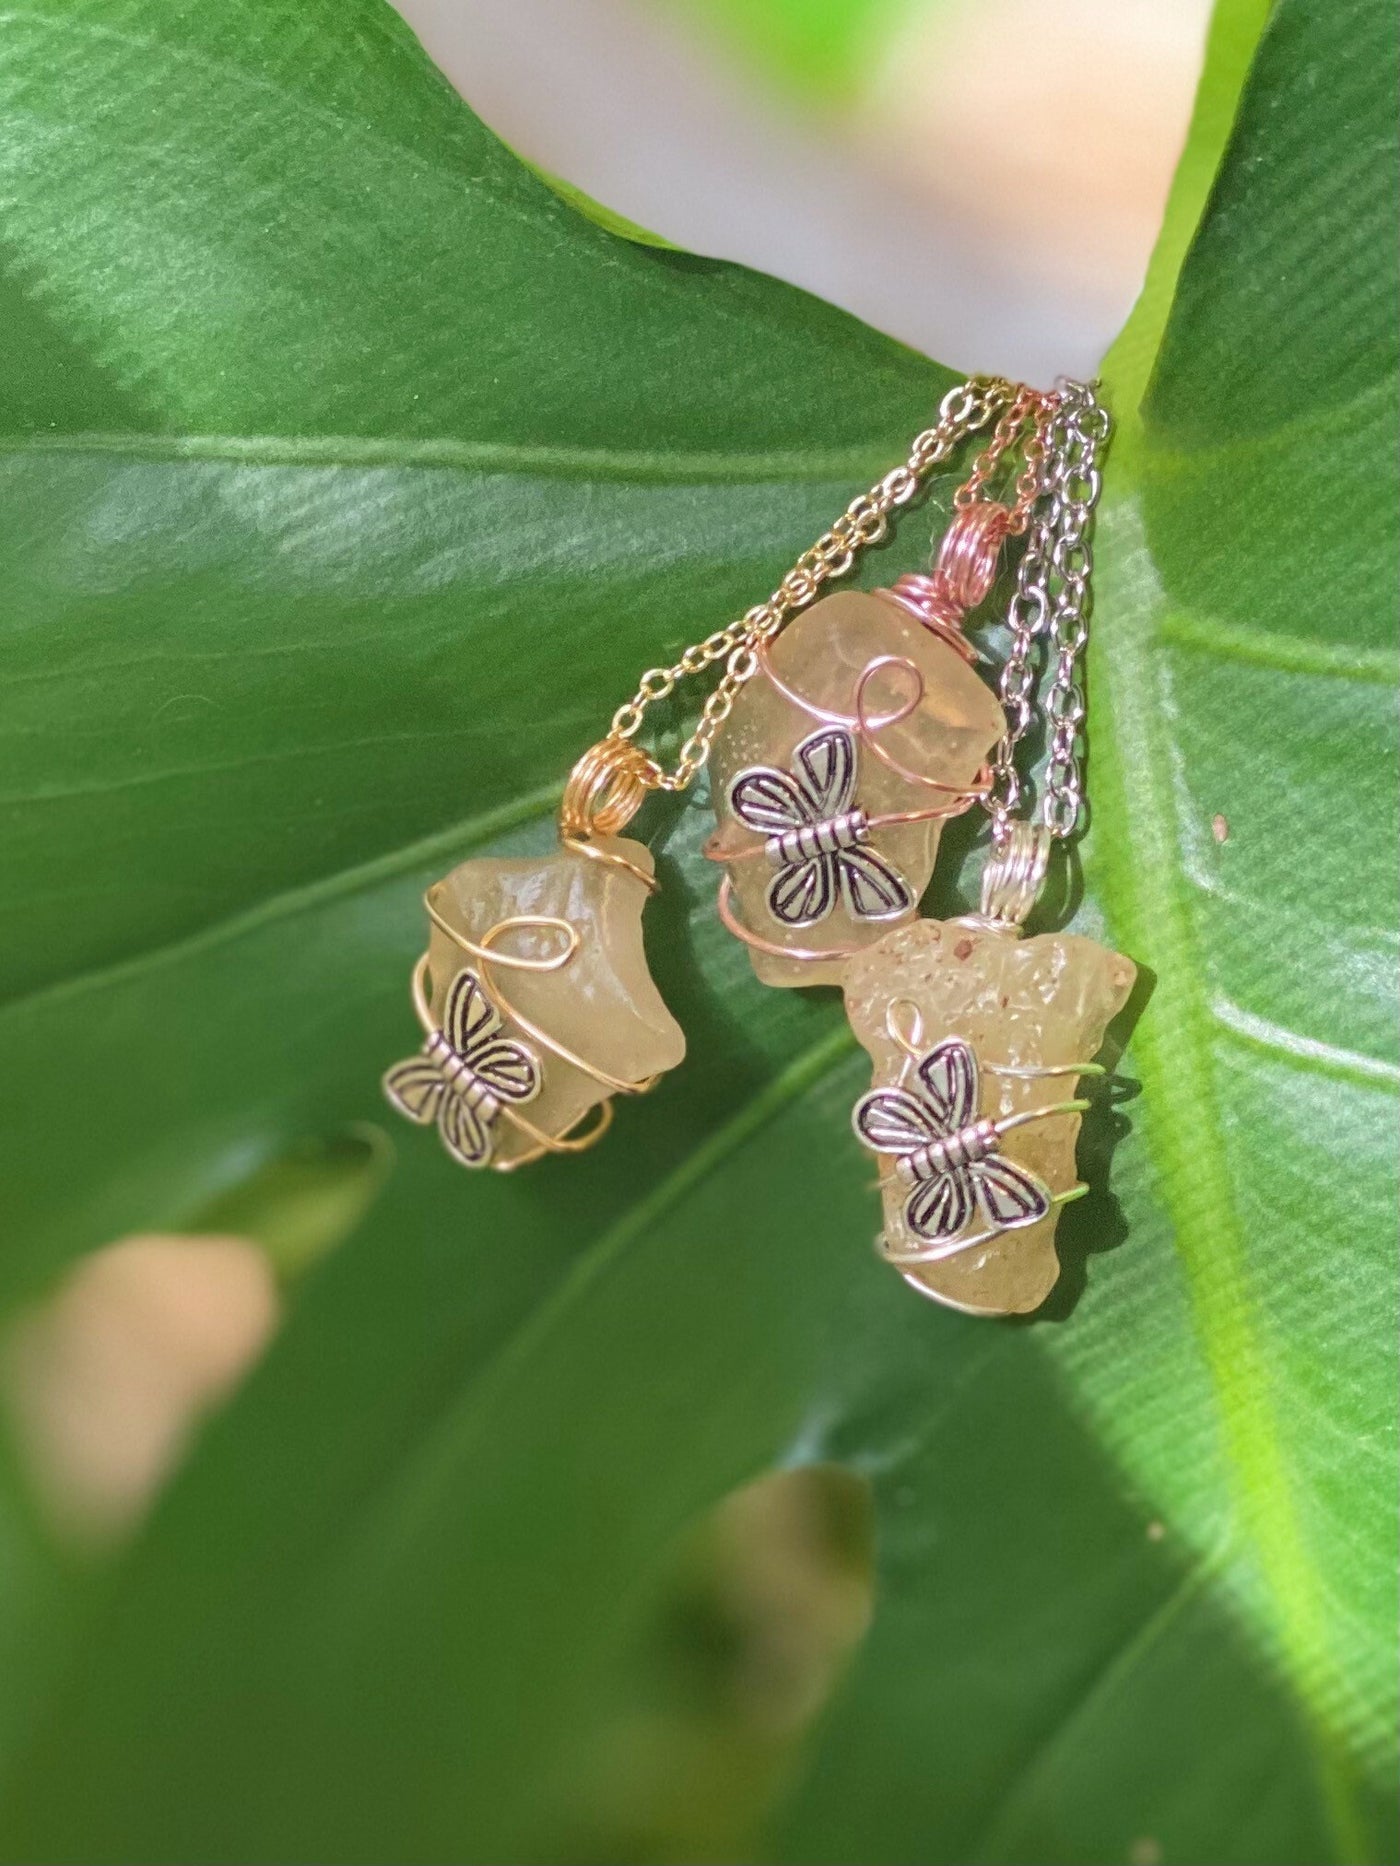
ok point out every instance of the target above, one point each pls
(602, 1005)
(821, 655)
(1016, 1001)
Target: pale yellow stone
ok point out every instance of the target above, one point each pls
(821, 655)
(602, 1005)
(1016, 1001)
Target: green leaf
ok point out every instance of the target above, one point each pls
(607, 218)
(352, 477)
(1244, 671)
(304, 1203)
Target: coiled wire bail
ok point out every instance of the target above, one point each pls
(965, 571)
(1015, 874)
(606, 788)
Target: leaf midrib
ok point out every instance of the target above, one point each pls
(1144, 889)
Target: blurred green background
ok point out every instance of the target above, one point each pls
(349, 1510)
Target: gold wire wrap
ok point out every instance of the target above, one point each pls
(486, 954)
(606, 788)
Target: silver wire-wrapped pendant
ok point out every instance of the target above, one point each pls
(864, 727)
(970, 1027)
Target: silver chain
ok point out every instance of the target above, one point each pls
(1052, 603)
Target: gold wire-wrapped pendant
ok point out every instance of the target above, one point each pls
(970, 1027)
(534, 996)
(865, 729)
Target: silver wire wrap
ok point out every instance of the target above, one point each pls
(1014, 874)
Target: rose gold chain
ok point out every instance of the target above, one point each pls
(1031, 410)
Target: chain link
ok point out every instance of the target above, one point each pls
(963, 410)
(1051, 603)
(1029, 410)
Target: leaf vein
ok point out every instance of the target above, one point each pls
(659, 466)
(457, 838)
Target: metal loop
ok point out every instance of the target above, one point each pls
(606, 788)
(1015, 873)
(900, 485)
(970, 551)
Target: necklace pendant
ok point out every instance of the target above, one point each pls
(862, 729)
(978, 1037)
(541, 957)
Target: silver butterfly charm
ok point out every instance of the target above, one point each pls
(465, 1071)
(817, 843)
(947, 1157)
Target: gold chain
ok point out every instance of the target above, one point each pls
(964, 409)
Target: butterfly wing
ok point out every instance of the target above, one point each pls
(769, 801)
(825, 766)
(891, 1120)
(1008, 1194)
(802, 893)
(949, 1077)
(463, 1132)
(874, 890)
(821, 785)
(940, 1208)
(507, 1068)
(468, 1015)
(415, 1088)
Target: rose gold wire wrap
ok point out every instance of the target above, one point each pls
(965, 572)
(867, 727)
(724, 906)
(485, 952)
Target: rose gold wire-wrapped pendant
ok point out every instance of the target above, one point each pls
(534, 996)
(865, 726)
(975, 1034)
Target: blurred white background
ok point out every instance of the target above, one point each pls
(986, 185)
